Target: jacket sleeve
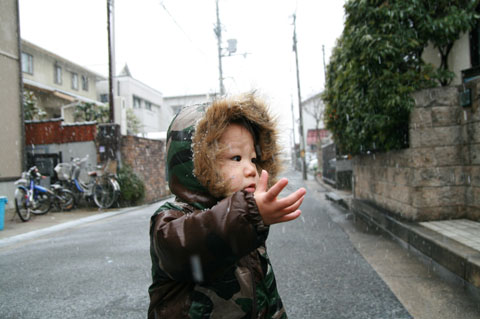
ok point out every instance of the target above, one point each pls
(214, 239)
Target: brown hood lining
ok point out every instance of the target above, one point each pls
(211, 127)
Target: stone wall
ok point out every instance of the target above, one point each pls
(438, 177)
(147, 159)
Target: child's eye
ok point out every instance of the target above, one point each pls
(237, 158)
(254, 160)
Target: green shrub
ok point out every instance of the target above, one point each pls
(132, 188)
(377, 64)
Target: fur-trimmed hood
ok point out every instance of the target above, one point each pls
(192, 146)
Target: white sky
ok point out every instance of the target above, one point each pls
(174, 50)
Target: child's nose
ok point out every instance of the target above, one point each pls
(250, 169)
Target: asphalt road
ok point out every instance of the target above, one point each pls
(319, 272)
(96, 270)
(102, 269)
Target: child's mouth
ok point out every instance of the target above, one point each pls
(250, 188)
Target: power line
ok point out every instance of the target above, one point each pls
(181, 29)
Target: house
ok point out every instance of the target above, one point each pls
(313, 127)
(145, 102)
(12, 156)
(179, 101)
(464, 58)
(55, 81)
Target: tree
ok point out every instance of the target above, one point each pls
(133, 123)
(31, 110)
(377, 64)
(316, 110)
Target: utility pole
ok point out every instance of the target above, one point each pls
(302, 138)
(293, 132)
(324, 66)
(218, 33)
(111, 57)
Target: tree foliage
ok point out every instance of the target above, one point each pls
(133, 123)
(132, 188)
(377, 64)
(31, 109)
(91, 112)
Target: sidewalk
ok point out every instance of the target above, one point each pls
(15, 230)
(453, 245)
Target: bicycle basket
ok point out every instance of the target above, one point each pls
(63, 171)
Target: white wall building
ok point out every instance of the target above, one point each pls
(146, 102)
(177, 102)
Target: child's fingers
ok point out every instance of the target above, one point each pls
(291, 199)
(289, 217)
(263, 182)
(293, 207)
(276, 189)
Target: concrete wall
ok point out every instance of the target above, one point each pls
(438, 177)
(11, 128)
(147, 159)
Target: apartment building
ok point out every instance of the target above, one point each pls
(146, 102)
(56, 81)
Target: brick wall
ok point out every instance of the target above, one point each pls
(145, 156)
(55, 132)
(147, 159)
(438, 177)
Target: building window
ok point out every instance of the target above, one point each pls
(475, 43)
(58, 74)
(84, 82)
(74, 81)
(148, 105)
(27, 63)
(137, 102)
(104, 98)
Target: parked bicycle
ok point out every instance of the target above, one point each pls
(101, 185)
(32, 198)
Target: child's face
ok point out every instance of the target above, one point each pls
(237, 161)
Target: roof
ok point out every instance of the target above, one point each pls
(60, 93)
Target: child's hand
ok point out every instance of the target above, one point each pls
(272, 209)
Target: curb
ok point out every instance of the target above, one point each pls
(458, 260)
(332, 196)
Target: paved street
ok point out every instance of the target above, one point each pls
(327, 266)
(96, 270)
(319, 272)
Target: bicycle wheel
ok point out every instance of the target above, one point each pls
(21, 204)
(104, 193)
(66, 200)
(41, 205)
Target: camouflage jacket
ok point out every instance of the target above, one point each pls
(207, 248)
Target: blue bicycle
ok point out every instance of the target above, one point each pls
(100, 185)
(32, 198)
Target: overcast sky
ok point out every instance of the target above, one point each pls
(170, 45)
